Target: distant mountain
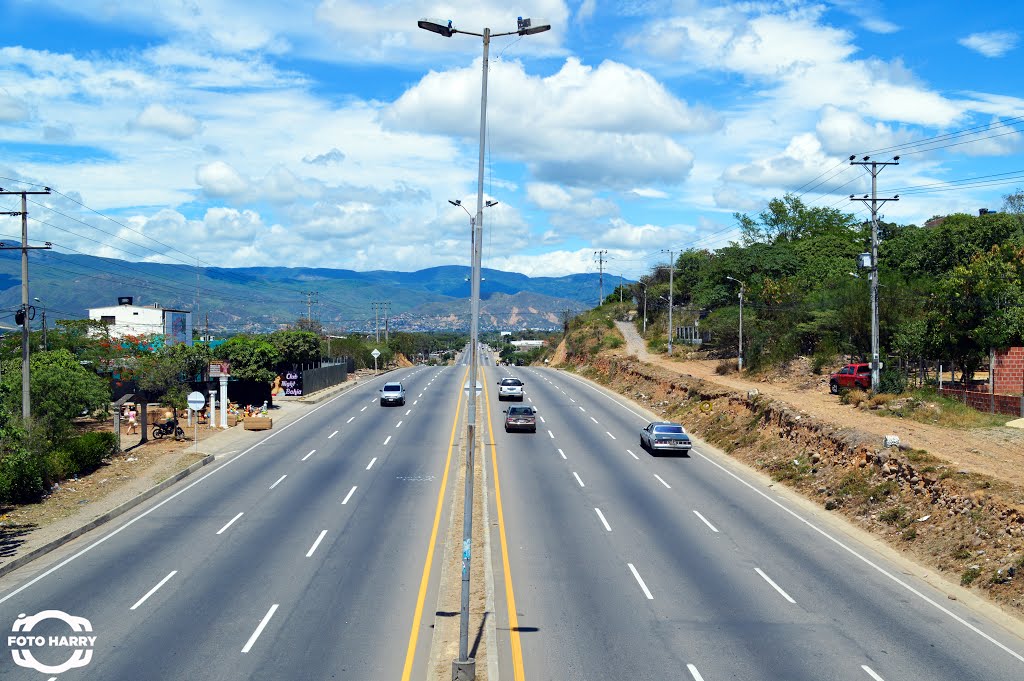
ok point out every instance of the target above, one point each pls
(265, 298)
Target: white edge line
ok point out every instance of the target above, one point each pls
(603, 521)
(309, 554)
(694, 673)
(774, 585)
(231, 522)
(871, 673)
(153, 590)
(332, 435)
(181, 491)
(578, 479)
(640, 581)
(706, 521)
(662, 481)
(259, 629)
(349, 495)
(370, 465)
(630, 452)
(279, 481)
(820, 531)
(867, 561)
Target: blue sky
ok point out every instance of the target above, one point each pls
(332, 133)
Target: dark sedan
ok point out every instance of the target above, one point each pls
(521, 418)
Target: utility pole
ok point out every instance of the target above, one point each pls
(600, 268)
(376, 318)
(26, 402)
(620, 287)
(739, 355)
(45, 344)
(671, 272)
(387, 308)
(310, 295)
(875, 168)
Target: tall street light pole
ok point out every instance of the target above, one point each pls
(739, 355)
(464, 669)
(671, 272)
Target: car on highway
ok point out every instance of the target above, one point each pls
(664, 436)
(850, 377)
(392, 392)
(521, 418)
(510, 388)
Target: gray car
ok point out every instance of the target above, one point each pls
(510, 388)
(664, 436)
(392, 393)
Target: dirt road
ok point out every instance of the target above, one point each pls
(998, 452)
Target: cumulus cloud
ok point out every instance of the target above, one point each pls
(612, 125)
(991, 44)
(220, 179)
(842, 132)
(175, 124)
(332, 157)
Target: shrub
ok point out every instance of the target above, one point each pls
(726, 366)
(613, 342)
(89, 450)
(60, 464)
(892, 381)
(820, 361)
(969, 575)
(892, 516)
(22, 476)
(853, 397)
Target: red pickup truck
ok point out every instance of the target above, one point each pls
(849, 377)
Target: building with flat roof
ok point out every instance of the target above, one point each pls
(127, 319)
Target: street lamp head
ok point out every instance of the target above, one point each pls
(729, 278)
(441, 29)
(535, 29)
(490, 203)
(456, 202)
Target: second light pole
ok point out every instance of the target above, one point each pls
(464, 668)
(739, 356)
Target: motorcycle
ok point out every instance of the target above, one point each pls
(168, 427)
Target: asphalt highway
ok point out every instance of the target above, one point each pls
(628, 566)
(313, 555)
(300, 558)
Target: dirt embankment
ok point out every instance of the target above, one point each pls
(965, 524)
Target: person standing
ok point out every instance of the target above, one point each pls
(133, 423)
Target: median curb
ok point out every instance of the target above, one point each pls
(105, 518)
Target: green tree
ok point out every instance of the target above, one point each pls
(61, 389)
(296, 347)
(252, 358)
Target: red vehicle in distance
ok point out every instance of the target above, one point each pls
(849, 377)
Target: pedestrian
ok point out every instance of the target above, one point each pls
(133, 424)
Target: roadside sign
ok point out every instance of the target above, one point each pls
(218, 369)
(375, 353)
(479, 387)
(196, 400)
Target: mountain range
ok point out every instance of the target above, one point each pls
(260, 299)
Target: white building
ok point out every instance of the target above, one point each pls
(127, 319)
(526, 344)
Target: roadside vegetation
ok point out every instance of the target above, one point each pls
(951, 290)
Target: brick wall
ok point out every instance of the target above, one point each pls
(982, 401)
(1009, 371)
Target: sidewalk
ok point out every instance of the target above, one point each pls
(79, 504)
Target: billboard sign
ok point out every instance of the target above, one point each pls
(177, 327)
(292, 383)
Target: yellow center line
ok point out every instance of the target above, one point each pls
(513, 619)
(414, 634)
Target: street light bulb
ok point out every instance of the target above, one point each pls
(535, 29)
(456, 202)
(446, 31)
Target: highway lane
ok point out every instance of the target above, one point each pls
(630, 566)
(320, 531)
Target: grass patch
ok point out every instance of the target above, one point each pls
(969, 575)
(893, 516)
(854, 484)
(928, 406)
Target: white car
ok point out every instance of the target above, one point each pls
(392, 393)
(510, 389)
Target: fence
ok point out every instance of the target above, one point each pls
(324, 377)
(1012, 405)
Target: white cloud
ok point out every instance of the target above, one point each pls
(624, 236)
(220, 179)
(12, 109)
(586, 11)
(332, 157)
(843, 132)
(991, 44)
(175, 124)
(649, 193)
(609, 126)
